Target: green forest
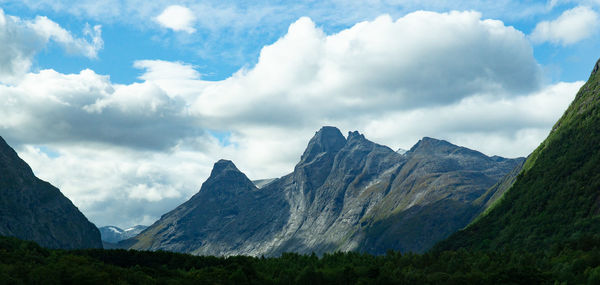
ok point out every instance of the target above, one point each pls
(575, 262)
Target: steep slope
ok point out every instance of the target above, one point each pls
(32, 209)
(556, 198)
(344, 194)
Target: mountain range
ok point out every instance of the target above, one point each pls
(345, 194)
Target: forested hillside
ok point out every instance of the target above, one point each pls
(555, 199)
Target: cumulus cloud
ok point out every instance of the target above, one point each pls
(127, 153)
(570, 27)
(177, 18)
(50, 107)
(23, 39)
(496, 126)
(421, 59)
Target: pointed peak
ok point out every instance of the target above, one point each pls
(223, 165)
(224, 162)
(327, 139)
(328, 131)
(427, 143)
(225, 177)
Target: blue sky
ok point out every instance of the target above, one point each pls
(126, 104)
(220, 50)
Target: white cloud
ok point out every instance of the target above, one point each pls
(570, 27)
(23, 39)
(50, 30)
(422, 59)
(496, 126)
(126, 154)
(177, 18)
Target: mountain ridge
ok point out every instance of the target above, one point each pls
(333, 200)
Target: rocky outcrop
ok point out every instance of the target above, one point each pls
(346, 193)
(32, 209)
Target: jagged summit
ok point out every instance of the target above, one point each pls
(596, 68)
(428, 143)
(226, 177)
(223, 165)
(355, 135)
(327, 139)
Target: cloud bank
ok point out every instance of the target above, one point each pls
(126, 153)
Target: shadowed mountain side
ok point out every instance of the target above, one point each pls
(418, 228)
(32, 209)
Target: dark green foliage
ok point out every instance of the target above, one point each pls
(556, 198)
(22, 262)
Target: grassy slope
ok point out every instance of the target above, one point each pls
(555, 199)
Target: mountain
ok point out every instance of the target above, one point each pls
(113, 234)
(346, 193)
(556, 197)
(32, 209)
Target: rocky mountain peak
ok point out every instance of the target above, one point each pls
(427, 144)
(431, 146)
(355, 135)
(226, 177)
(327, 139)
(596, 68)
(223, 166)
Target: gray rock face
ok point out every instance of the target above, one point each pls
(32, 209)
(344, 194)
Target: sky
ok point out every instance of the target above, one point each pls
(125, 105)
